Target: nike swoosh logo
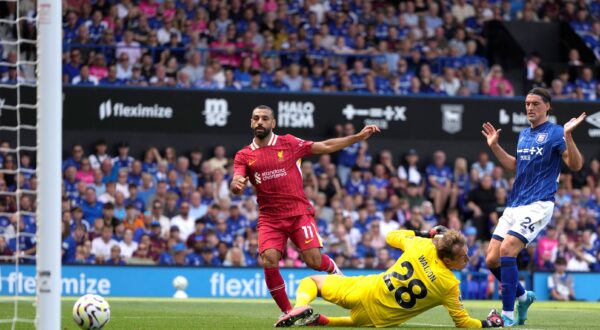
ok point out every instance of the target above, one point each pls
(251, 162)
(308, 241)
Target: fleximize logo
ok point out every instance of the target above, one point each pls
(107, 109)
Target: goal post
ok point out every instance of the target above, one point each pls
(49, 100)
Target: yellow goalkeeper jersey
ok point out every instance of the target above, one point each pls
(418, 281)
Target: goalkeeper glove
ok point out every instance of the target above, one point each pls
(437, 230)
(494, 320)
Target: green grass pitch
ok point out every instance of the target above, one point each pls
(213, 314)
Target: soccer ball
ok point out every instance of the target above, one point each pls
(91, 312)
(180, 283)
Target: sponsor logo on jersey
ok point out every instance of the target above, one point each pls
(257, 178)
(541, 138)
(108, 109)
(527, 153)
(269, 175)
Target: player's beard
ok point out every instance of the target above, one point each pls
(261, 134)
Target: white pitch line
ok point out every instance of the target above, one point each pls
(445, 326)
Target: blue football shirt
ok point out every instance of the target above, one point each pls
(539, 155)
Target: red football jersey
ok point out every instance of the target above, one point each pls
(274, 170)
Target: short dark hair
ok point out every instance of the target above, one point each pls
(541, 92)
(266, 107)
(560, 261)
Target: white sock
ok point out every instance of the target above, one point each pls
(510, 315)
(523, 297)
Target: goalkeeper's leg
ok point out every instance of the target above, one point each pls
(307, 292)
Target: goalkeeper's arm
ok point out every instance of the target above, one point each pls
(461, 317)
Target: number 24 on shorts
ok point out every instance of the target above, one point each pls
(387, 278)
(528, 225)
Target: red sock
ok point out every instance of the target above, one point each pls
(276, 286)
(327, 264)
(323, 320)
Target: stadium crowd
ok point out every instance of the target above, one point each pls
(176, 209)
(380, 47)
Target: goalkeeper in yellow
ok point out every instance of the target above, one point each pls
(420, 279)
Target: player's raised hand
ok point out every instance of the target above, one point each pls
(367, 131)
(491, 133)
(573, 123)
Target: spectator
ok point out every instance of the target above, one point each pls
(497, 84)
(560, 283)
(184, 222)
(482, 201)
(483, 166)
(129, 46)
(111, 79)
(439, 181)
(115, 257)
(128, 245)
(586, 85)
(84, 78)
(102, 245)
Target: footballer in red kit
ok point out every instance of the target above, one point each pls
(271, 163)
(283, 208)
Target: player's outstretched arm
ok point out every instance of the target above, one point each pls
(333, 145)
(571, 156)
(460, 316)
(491, 135)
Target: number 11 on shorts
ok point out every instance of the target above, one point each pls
(308, 232)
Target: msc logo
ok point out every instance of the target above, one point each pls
(594, 120)
(107, 109)
(216, 112)
(452, 117)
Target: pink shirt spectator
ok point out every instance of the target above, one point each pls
(110, 23)
(198, 26)
(169, 13)
(292, 256)
(225, 52)
(85, 176)
(501, 87)
(98, 71)
(545, 250)
(497, 84)
(149, 7)
(270, 6)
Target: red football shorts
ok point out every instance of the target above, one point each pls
(300, 229)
